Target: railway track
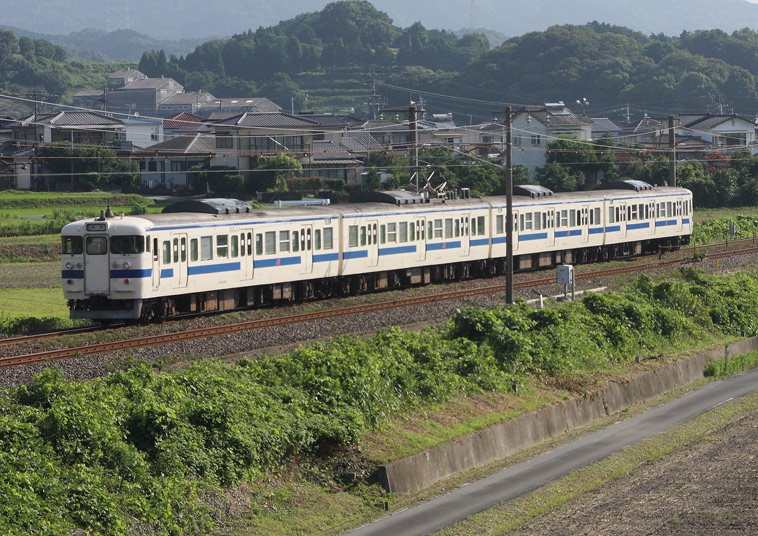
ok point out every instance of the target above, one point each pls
(141, 342)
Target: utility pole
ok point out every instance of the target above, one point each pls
(672, 148)
(508, 205)
(413, 135)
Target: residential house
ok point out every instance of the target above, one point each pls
(647, 132)
(175, 125)
(534, 127)
(123, 78)
(143, 131)
(238, 105)
(331, 161)
(15, 167)
(720, 132)
(175, 163)
(195, 102)
(242, 139)
(602, 127)
(143, 95)
(69, 127)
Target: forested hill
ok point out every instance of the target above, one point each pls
(611, 65)
(608, 65)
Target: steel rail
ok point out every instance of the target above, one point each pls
(153, 340)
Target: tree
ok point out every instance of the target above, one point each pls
(267, 172)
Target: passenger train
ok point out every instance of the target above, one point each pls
(220, 254)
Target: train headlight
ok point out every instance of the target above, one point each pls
(114, 265)
(79, 265)
(126, 265)
(69, 265)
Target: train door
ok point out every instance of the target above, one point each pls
(515, 230)
(373, 246)
(306, 249)
(550, 227)
(421, 238)
(464, 230)
(179, 259)
(246, 250)
(650, 217)
(156, 265)
(584, 221)
(620, 209)
(678, 214)
(97, 270)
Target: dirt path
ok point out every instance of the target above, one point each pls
(709, 488)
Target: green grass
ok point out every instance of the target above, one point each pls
(33, 302)
(12, 199)
(702, 214)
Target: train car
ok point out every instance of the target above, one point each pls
(221, 254)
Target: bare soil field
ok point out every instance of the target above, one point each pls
(708, 488)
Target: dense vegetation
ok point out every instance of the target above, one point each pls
(322, 52)
(146, 451)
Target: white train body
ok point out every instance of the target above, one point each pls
(131, 267)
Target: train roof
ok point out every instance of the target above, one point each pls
(221, 212)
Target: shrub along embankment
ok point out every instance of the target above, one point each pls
(142, 450)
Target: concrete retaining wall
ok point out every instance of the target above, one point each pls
(498, 441)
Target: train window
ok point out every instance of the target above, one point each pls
(438, 228)
(284, 241)
(430, 234)
(572, 218)
(194, 251)
(412, 232)
(235, 246)
(611, 215)
(457, 227)
(363, 235)
(392, 233)
(166, 252)
(270, 242)
(448, 227)
(295, 242)
(302, 240)
(249, 245)
(669, 212)
(421, 230)
(465, 230)
(259, 244)
(147, 243)
(537, 221)
(176, 250)
(352, 236)
(499, 224)
(97, 245)
(633, 215)
(597, 215)
(222, 245)
(473, 227)
(206, 248)
(183, 249)
(402, 232)
(480, 225)
(317, 239)
(527, 222)
(308, 238)
(72, 245)
(382, 234)
(328, 238)
(521, 222)
(127, 245)
(155, 249)
(564, 219)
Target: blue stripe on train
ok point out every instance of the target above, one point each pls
(326, 257)
(280, 261)
(398, 250)
(443, 245)
(131, 274)
(72, 274)
(212, 268)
